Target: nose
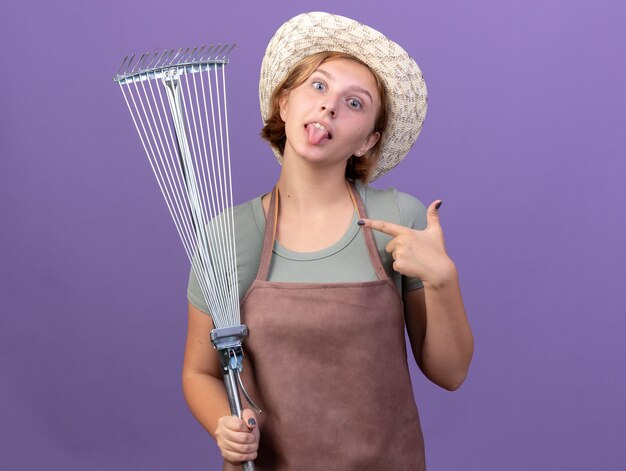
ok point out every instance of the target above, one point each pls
(329, 109)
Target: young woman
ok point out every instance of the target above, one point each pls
(332, 270)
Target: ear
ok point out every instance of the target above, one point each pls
(370, 142)
(282, 104)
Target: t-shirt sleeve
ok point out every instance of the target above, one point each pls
(413, 215)
(249, 226)
(214, 246)
(194, 293)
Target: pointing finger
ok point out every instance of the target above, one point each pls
(388, 228)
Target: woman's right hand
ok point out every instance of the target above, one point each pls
(238, 439)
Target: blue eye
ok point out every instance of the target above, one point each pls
(353, 103)
(319, 86)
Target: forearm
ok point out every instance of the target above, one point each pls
(206, 398)
(201, 378)
(448, 343)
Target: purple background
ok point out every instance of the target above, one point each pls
(524, 141)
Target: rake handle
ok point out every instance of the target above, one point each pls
(234, 401)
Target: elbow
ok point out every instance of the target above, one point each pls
(456, 377)
(189, 382)
(185, 384)
(452, 380)
(454, 383)
(449, 376)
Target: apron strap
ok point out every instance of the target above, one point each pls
(270, 235)
(367, 234)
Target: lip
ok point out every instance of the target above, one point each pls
(323, 123)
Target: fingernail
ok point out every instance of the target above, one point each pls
(361, 222)
(251, 422)
(438, 205)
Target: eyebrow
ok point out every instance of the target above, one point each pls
(353, 87)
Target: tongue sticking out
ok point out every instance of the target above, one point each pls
(316, 134)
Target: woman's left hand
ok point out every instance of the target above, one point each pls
(418, 253)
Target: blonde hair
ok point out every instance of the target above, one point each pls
(358, 168)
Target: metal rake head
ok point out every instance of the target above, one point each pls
(177, 101)
(149, 65)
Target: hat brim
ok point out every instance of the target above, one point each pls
(310, 33)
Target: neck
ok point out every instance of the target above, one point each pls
(313, 190)
(314, 212)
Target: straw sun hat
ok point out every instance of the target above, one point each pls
(314, 32)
